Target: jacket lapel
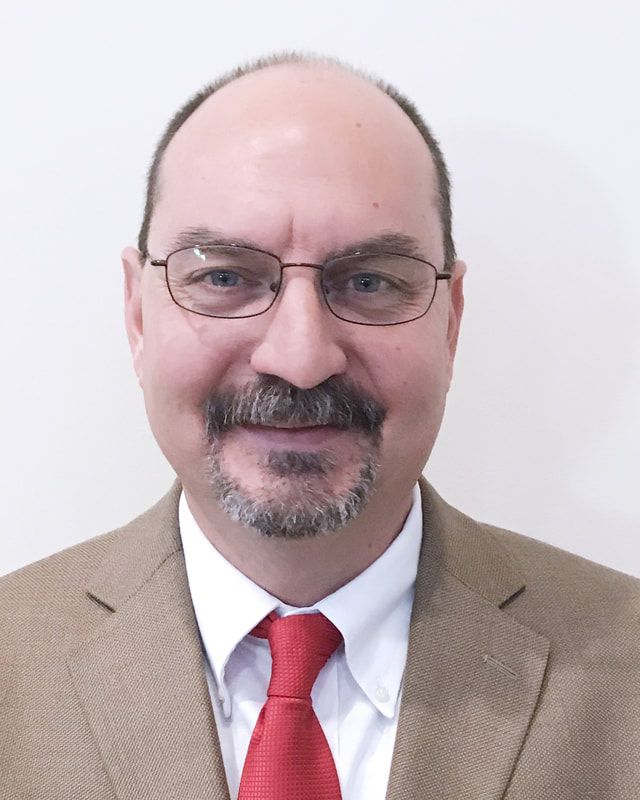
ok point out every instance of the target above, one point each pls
(140, 676)
(473, 672)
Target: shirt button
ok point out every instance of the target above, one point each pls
(382, 694)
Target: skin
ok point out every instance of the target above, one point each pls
(302, 160)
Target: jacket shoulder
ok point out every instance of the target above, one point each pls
(46, 600)
(568, 597)
(48, 604)
(550, 563)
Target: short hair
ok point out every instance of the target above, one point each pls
(181, 116)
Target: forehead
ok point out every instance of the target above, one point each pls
(298, 157)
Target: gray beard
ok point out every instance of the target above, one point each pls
(298, 502)
(306, 510)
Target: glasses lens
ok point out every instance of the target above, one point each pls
(379, 289)
(221, 281)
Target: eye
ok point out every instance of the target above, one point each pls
(223, 278)
(366, 282)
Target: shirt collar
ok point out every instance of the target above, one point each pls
(227, 604)
(372, 611)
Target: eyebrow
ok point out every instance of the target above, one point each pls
(202, 236)
(388, 242)
(391, 242)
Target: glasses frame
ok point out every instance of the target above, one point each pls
(164, 262)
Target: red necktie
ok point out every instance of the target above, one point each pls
(288, 756)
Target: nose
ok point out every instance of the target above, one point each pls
(300, 343)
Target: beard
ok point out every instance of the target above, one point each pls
(299, 500)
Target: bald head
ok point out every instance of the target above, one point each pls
(295, 103)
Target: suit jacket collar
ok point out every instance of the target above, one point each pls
(466, 550)
(140, 549)
(471, 683)
(473, 672)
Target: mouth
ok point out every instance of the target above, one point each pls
(294, 436)
(290, 426)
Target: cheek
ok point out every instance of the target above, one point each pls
(414, 379)
(177, 366)
(184, 360)
(413, 370)
(419, 381)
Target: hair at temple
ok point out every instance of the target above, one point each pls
(178, 119)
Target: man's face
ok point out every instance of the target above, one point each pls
(303, 163)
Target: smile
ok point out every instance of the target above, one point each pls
(292, 437)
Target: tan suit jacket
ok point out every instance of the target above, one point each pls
(522, 681)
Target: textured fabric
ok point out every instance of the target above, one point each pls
(288, 756)
(521, 680)
(357, 695)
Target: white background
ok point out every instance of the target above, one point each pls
(536, 107)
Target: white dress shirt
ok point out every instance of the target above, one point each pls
(357, 694)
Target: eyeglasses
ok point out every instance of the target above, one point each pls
(234, 282)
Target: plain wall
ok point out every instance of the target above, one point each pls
(536, 108)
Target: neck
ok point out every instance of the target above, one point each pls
(300, 572)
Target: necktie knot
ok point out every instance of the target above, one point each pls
(301, 644)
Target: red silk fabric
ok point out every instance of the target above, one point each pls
(288, 756)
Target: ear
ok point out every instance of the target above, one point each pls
(132, 262)
(456, 307)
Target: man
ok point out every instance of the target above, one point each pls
(297, 617)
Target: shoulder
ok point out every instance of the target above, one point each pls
(46, 601)
(572, 601)
(552, 568)
(44, 613)
(47, 607)
(569, 598)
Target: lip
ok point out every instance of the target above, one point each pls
(290, 437)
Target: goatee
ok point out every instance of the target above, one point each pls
(300, 501)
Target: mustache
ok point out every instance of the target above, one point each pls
(270, 400)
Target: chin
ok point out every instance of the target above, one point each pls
(294, 494)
